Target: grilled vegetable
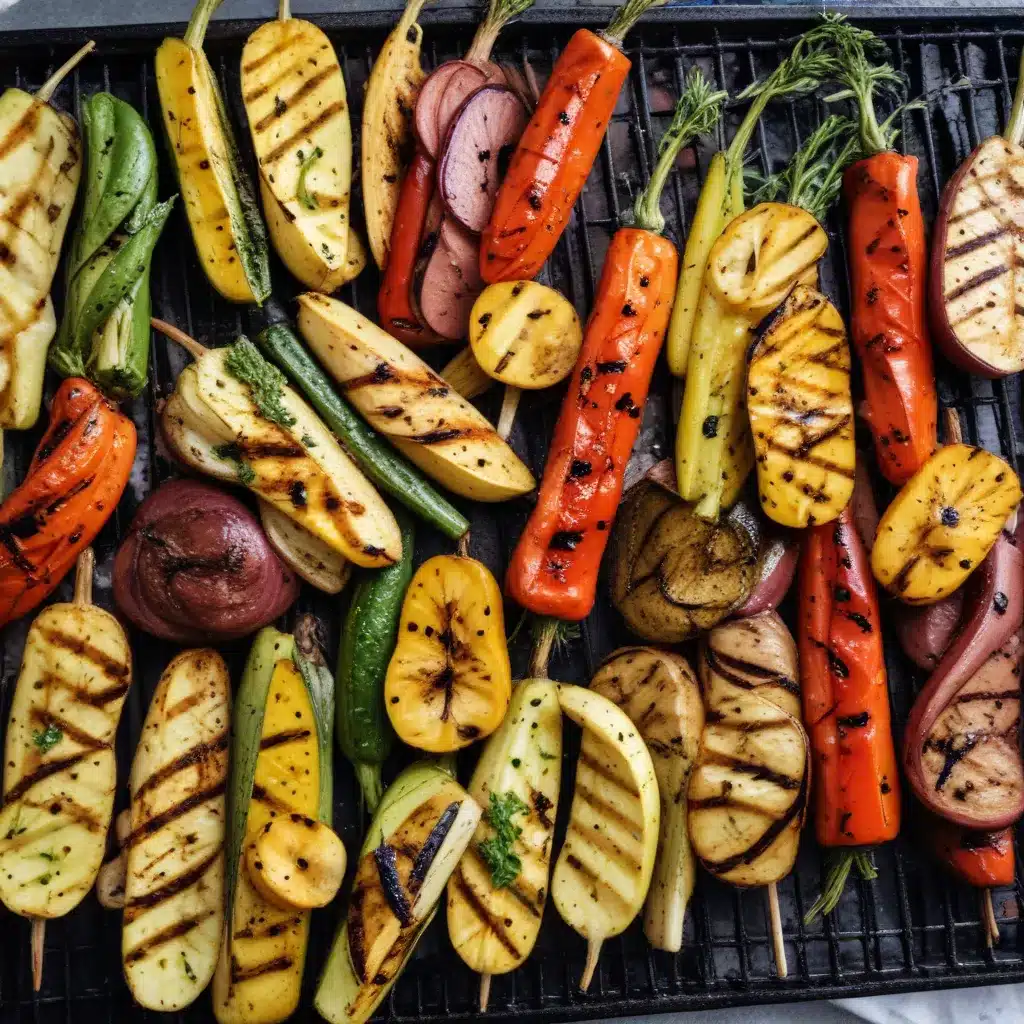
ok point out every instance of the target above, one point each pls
(59, 770)
(40, 164)
(557, 150)
(404, 399)
(943, 523)
(375, 457)
(801, 411)
(465, 375)
(846, 702)
(387, 140)
(982, 859)
(721, 196)
(226, 227)
(777, 561)
(105, 330)
(297, 108)
(659, 692)
(280, 766)
(174, 866)
(605, 865)
(233, 417)
(553, 570)
(449, 680)
(497, 894)
(305, 554)
(367, 644)
(748, 789)
(674, 574)
(421, 829)
(72, 487)
(296, 863)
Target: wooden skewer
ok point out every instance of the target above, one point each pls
(593, 954)
(49, 87)
(188, 343)
(954, 431)
(778, 941)
(284, 10)
(38, 940)
(485, 991)
(988, 918)
(509, 405)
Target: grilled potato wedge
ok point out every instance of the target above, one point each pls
(801, 411)
(281, 747)
(308, 556)
(59, 770)
(387, 142)
(604, 869)
(660, 694)
(400, 396)
(748, 789)
(465, 375)
(174, 874)
(214, 423)
(449, 680)
(525, 334)
(493, 927)
(295, 100)
(943, 523)
(422, 827)
(229, 236)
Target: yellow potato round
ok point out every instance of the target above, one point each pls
(943, 523)
(525, 334)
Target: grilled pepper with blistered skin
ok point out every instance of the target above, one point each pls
(105, 330)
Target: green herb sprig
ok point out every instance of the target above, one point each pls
(48, 738)
(496, 851)
(266, 382)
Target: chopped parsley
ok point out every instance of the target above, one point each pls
(245, 363)
(47, 739)
(301, 192)
(496, 851)
(189, 973)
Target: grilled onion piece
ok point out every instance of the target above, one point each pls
(943, 523)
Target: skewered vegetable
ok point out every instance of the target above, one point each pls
(59, 770)
(174, 862)
(982, 859)
(73, 484)
(387, 134)
(281, 766)
(449, 680)
(721, 196)
(553, 570)
(233, 417)
(497, 894)
(367, 644)
(748, 789)
(105, 330)
(421, 829)
(297, 108)
(464, 374)
(801, 411)
(557, 150)
(195, 565)
(605, 865)
(404, 399)
(846, 703)
(943, 523)
(40, 166)
(674, 574)
(226, 227)
(385, 469)
(660, 694)
(296, 863)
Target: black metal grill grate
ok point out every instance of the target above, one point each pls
(911, 928)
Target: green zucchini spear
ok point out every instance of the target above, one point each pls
(105, 331)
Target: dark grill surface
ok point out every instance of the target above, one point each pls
(910, 929)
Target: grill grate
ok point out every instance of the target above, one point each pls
(910, 929)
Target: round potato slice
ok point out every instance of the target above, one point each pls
(525, 334)
(943, 523)
(297, 862)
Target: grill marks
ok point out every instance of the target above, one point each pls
(174, 931)
(174, 812)
(491, 922)
(171, 887)
(198, 756)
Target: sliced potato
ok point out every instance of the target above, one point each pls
(465, 375)
(404, 399)
(306, 555)
(525, 334)
(943, 523)
(296, 862)
(801, 411)
(449, 680)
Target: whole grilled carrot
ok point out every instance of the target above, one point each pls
(73, 485)
(554, 568)
(557, 150)
(846, 702)
(888, 263)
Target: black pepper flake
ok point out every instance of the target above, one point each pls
(566, 540)
(580, 467)
(885, 788)
(563, 117)
(534, 200)
(841, 593)
(1000, 602)
(709, 428)
(628, 310)
(949, 516)
(645, 281)
(279, 106)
